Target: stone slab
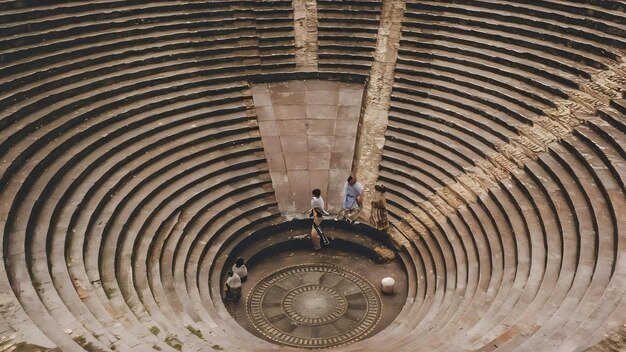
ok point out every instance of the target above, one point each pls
(308, 129)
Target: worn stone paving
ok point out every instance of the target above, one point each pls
(304, 298)
(314, 305)
(308, 129)
(373, 124)
(305, 34)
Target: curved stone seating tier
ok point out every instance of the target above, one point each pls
(194, 256)
(178, 36)
(347, 34)
(512, 87)
(132, 167)
(597, 45)
(55, 36)
(227, 145)
(57, 124)
(472, 147)
(165, 230)
(120, 123)
(606, 150)
(579, 12)
(476, 64)
(466, 112)
(179, 72)
(473, 81)
(474, 53)
(198, 101)
(212, 164)
(595, 24)
(530, 300)
(548, 221)
(273, 22)
(543, 47)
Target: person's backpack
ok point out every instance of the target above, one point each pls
(321, 212)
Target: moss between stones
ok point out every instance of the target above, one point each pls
(27, 347)
(174, 342)
(82, 341)
(155, 330)
(195, 331)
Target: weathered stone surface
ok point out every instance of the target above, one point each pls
(307, 143)
(385, 254)
(305, 34)
(413, 228)
(540, 136)
(517, 155)
(431, 212)
(615, 80)
(557, 128)
(451, 195)
(302, 305)
(374, 113)
(600, 91)
(480, 175)
(463, 189)
(38, 84)
(472, 182)
(505, 164)
(528, 146)
(614, 342)
(443, 209)
(587, 100)
(397, 237)
(423, 218)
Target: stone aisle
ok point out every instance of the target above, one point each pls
(308, 129)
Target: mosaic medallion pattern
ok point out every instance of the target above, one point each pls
(314, 306)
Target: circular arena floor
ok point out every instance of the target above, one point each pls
(299, 297)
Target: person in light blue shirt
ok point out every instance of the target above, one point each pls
(352, 200)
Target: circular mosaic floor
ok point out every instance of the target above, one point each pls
(314, 306)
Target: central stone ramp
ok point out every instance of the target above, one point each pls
(308, 129)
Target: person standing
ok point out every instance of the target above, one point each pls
(352, 200)
(317, 212)
(316, 230)
(317, 201)
(378, 217)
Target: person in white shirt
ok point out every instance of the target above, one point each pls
(240, 269)
(317, 201)
(232, 287)
(352, 200)
(318, 212)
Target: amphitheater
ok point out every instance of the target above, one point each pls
(144, 145)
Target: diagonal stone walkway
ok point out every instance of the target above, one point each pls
(308, 129)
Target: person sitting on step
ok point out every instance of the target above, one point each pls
(240, 269)
(232, 287)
